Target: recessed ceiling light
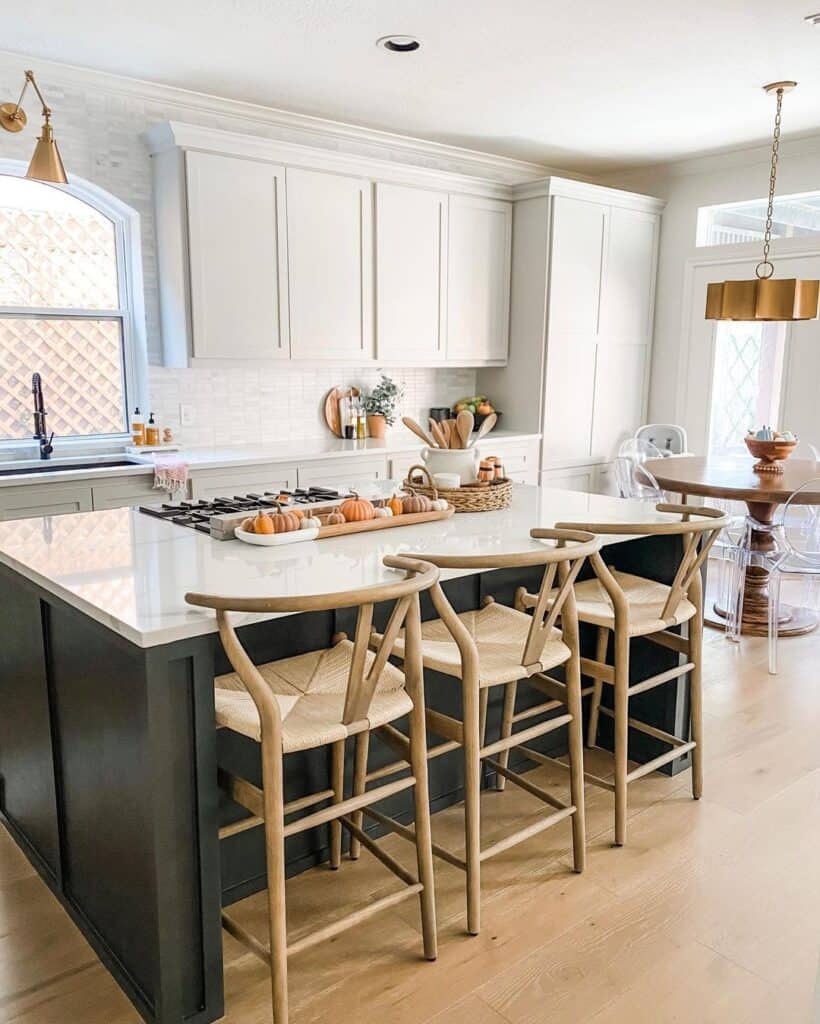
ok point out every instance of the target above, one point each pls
(399, 43)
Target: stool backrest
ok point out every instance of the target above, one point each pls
(362, 680)
(562, 561)
(697, 525)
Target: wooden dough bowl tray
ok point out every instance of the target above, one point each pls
(383, 523)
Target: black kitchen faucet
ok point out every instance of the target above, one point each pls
(40, 431)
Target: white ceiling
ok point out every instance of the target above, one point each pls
(586, 86)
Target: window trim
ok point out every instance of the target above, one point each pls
(131, 311)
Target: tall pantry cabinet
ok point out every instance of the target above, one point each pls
(582, 296)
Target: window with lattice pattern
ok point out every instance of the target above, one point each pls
(746, 382)
(61, 313)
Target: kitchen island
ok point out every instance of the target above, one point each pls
(108, 751)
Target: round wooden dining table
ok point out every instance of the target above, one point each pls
(732, 478)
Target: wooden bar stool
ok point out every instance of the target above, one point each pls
(499, 646)
(630, 606)
(321, 699)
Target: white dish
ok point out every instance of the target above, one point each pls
(268, 540)
(448, 481)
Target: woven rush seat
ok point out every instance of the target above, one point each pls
(310, 691)
(646, 600)
(500, 634)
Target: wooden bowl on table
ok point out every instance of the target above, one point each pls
(770, 454)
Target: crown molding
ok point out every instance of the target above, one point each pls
(573, 188)
(176, 135)
(284, 125)
(798, 145)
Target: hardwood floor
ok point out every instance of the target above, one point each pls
(711, 913)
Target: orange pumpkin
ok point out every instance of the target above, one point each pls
(356, 509)
(416, 503)
(263, 523)
(396, 505)
(335, 519)
(284, 522)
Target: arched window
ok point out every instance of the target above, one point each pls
(70, 292)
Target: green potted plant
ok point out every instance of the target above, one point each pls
(381, 405)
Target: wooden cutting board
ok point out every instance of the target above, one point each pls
(331, 408)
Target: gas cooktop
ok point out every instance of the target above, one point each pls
(218, 516)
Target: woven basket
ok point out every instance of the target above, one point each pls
(463, 499)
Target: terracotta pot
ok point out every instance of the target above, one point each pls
(376, 426)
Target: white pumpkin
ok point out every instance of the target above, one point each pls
(439, 504)
(383, 512)
(310, 523)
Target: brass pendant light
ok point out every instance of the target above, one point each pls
(46, 163)
(764, 298)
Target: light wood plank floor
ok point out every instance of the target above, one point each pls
(710, 914)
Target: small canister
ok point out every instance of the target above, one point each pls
(486, 470)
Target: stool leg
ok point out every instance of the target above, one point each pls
(576, 762)
(598, 685)
(621, 732)
(359, 778)
(472, 805)
(510, 692)
(337, 784)
(274, 804)
(696, 701)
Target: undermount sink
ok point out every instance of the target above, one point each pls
(31, 466)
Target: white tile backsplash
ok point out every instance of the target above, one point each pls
(282, 403)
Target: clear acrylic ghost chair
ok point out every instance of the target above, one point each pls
(639, 450)
(798, 555)
(741, 554)
(634, 480)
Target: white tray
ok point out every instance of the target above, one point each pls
(269, 540)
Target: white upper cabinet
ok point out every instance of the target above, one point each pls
(237, 245)
(478, 280)
(626, 307)
(576, 263)
(330, 265)
(411, 274)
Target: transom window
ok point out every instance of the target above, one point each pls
(63, 313)
(734, 223)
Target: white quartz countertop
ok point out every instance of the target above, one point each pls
(131, 571)
(399, 440)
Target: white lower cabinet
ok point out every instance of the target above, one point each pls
(519, 458)
(345, 472)
(129, 491)
(241, 480)
(44, 500)
(572, 478)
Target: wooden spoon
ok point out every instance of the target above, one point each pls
(488, 424)
(418, 431)
(465, 421)
(447, 427)
(438, 433)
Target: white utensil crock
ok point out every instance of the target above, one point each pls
(463, 461)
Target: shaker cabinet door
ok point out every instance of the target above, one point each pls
(627, 300)
(237, 244)
(576, 265)
(478, 280)
(411, 273)
(330, 265)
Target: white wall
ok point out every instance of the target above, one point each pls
(687, 185)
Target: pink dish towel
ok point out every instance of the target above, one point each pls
(170, 474)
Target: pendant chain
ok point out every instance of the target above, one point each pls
(766, 265)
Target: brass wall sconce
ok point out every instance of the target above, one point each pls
(46, 163)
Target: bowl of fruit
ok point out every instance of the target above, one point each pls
(770, 447)
(479, 405)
